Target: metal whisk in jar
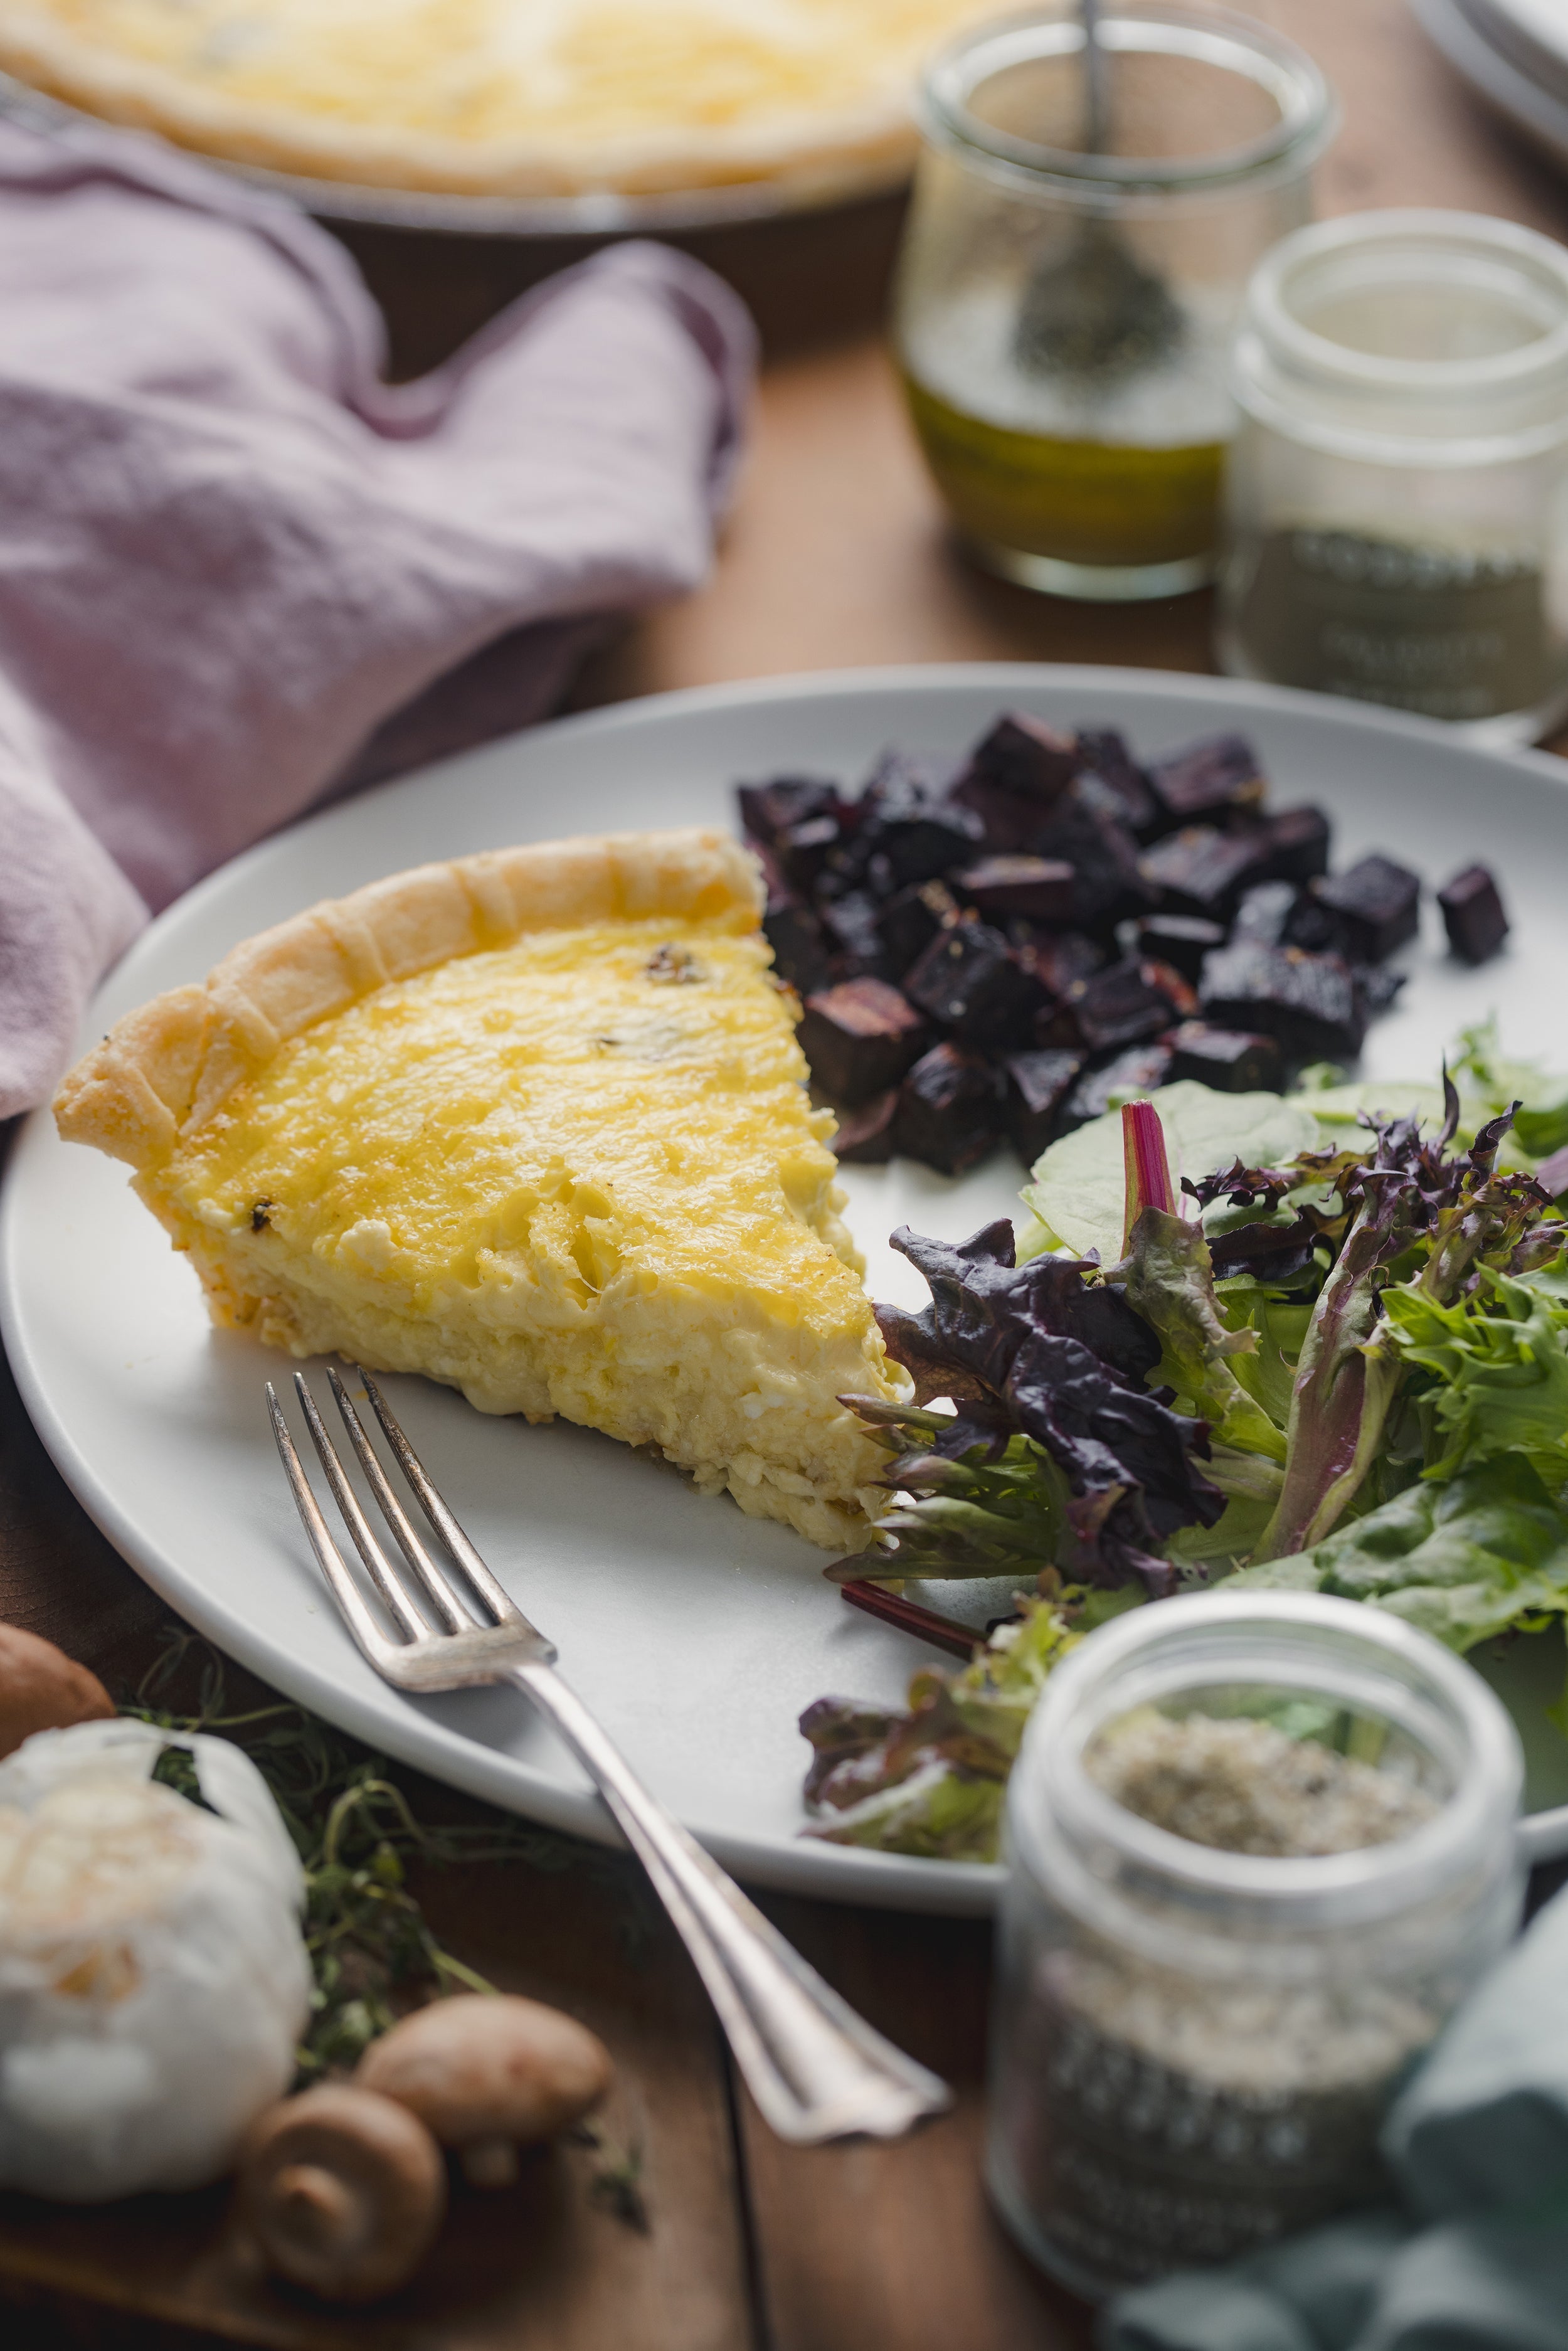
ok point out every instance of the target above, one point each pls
(1261, 1844)
(1397, 493)
(1094, 189)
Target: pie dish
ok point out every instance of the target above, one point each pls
(520, 97)
(534, 1124)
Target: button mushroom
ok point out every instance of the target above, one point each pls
(43, 1689)
(488, 2076)
(343, 2190)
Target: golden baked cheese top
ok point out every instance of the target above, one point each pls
(526, 97)
(623, 1093)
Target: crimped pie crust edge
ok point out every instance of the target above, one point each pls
(164, 1069)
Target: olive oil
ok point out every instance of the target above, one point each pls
(1097, 504)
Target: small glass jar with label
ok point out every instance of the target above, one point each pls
(1260, 1845)
(1094, 189)
(1396, 511)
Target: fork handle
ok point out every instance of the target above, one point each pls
(817, 2070)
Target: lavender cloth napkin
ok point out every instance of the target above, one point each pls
(239, 572)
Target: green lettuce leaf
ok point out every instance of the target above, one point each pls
(1498, 1364)
(1482, 1553)
(1079, 1191)
(1168, 1279)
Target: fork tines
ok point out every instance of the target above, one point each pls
(455, 1612)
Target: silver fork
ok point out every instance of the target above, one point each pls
(816, 2069)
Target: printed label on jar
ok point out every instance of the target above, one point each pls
(1448, 631)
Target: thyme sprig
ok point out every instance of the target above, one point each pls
(373, 1957)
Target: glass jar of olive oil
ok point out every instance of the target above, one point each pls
(1095, 186)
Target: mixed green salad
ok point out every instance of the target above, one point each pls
(1335, 1359)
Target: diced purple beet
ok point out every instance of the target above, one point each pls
(1232, 1061)
(1178, 990)
(1014, 777)
(900, 775)
(914, 843)
(1309, 1003)
(1118, 1007)
(769, 809)
(910, 921)
(1207, 781)
(1059, 958)
(1179, 940)
(1037, 1086)
(1138, 1070)
(853, 939)
(1299, 841)
(866, 1135)
(971, 981)
(1473, 913)
(1041, 887)
(950, 1110)
(804, 849)
(860, 1038)
(1379, 986)
(1376, 904)
(1264, 913)
(1201, 871)
(800, 946)
(1107, 884)
(1312, 927)
(1111, 779)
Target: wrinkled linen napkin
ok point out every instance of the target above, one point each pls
(238, 570)
(1475, 2259)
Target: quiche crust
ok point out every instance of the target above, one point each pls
(630, 128)
(390, 1128)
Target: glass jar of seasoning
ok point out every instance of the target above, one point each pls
(1094, 188)
(1396, 493)
(1261, 1843)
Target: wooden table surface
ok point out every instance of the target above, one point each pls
(835, 557)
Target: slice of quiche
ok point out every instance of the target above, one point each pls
(535, 1123)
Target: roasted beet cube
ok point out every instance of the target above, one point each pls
(950, 1110)
(1201, 871)
(1472, 914)
(914, 843)
(911, 920)
(853, 939)
(971, 981)
(901, 776)
(1180, 940)
(1232, 1061)
(769, 809)
(1111, 779)
(1118, 1007)
(804, 849)
(1299, 841)
(1014, 777)
(1165, 980)
(866, 1133)
(1138, 1070)
(1309, 1003)
(799, 947)
(1376, 904)
(1041, 887)
(860, 1038)
(1038, 1086)
(1379, 986)
(1059, 958)
(1107, 884)
(1207, 781)
(1264, 914)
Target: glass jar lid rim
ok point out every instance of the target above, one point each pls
(1268, 310)
(1385, 1874)
(1308, 113)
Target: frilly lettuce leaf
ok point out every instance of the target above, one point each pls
(1168, 1279)
(931, 1781)
(1079, 1187)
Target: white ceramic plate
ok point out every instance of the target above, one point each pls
(1494, 65)
(696, 1633)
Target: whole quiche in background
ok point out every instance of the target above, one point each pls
(520, 97)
